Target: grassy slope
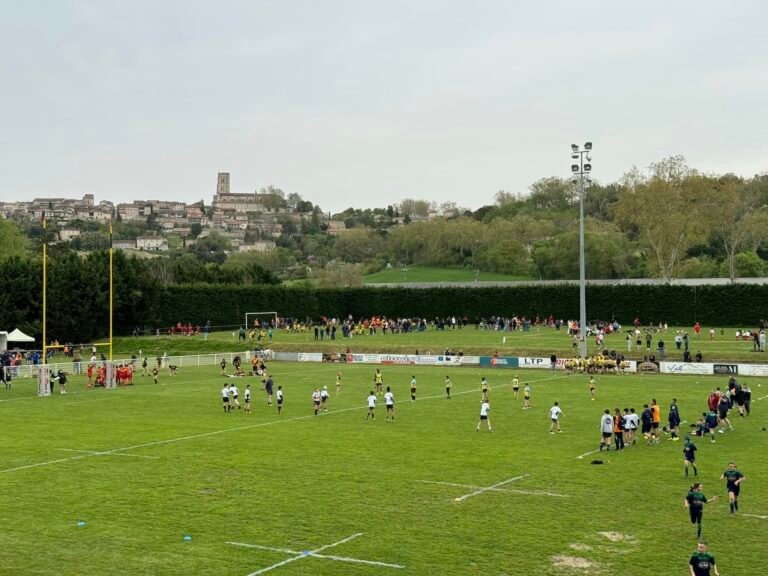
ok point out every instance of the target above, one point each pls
(427, 274)
(304, 482)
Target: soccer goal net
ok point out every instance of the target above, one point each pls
(260, 320)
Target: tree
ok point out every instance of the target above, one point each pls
(552, 194)
(745, 265)
(13, 241)
(212, 248)
(338, 274)
(292, 201)
(411, 207)
(608, 253)
(358, 245)
(665, 213)
(195, 229)
(757, 225)
(729, 205)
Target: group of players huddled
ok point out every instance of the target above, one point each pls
(623, 428)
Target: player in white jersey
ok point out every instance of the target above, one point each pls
(235, 394)
(324, 398)
(516, 386)
(485, 407)
(448, 385)
(389, 400)
(634, 423)
(371, 406)
(606, 430)
(225, 397)
(554, 415)
(316, 398)
(279, 400)
(413, 388)
(248, 398)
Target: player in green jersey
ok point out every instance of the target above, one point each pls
(695, 501)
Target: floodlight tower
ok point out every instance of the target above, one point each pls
(583, 170)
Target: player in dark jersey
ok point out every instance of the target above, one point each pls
(723, 406)
(695, 501)
(689, 456)
(646, 419)
(733, 479)
(674, 420)
(702, 563)
(711, 420)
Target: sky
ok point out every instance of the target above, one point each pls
(364, 103)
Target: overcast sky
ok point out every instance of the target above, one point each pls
(364, 103)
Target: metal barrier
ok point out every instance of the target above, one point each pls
(74, 368)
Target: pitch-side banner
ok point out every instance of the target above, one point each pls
(753, 369)
(409, 359)
(499, 362)
(699, 368)
(529, 362)
(310, 357)
(364, 359)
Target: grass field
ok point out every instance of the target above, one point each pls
(112, 481)
(537, 342)
(417, 274)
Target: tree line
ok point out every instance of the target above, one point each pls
(666, 221)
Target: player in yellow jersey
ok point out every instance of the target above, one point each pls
(378, 382)
(484, 389)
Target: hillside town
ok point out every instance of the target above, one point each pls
(249, 221)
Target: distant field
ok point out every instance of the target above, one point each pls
(157, 480)
(541, 341)
(424, 274)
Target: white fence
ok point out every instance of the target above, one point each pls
(32, 370)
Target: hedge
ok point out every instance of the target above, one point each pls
(733, 305)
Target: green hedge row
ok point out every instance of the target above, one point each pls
(734, 305)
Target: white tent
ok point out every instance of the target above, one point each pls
(19, 336)
(3, 341)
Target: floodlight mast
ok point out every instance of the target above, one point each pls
(582, 170)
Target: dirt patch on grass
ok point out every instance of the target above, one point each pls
(572, 562)
(617, 537)
(580, 547)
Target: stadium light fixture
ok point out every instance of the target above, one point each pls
(581, 174)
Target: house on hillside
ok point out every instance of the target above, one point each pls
(151, 243)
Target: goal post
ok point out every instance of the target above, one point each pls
(260, 320)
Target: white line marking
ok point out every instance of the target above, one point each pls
(754, 516)
(587, 454)
(458, 485)
(235, 429)
(535, 493)
(494, 488)
(313, 553)
(762, 397)
(267, 548)
(481, 490)
(356, 560)
(97, 453)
